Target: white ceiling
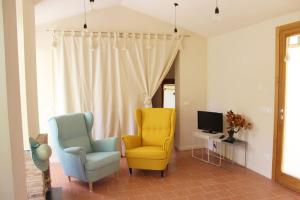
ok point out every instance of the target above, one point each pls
(194, 15)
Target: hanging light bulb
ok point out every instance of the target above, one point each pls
(175, 18)
(92, 2)
(216, 17)
(85, 24)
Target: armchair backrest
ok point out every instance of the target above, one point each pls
(155, 124)
(73, 130)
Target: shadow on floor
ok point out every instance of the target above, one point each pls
(54, 194)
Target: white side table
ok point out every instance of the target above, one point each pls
(207, 138)
(219, 148)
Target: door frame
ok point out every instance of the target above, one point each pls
(282, 32)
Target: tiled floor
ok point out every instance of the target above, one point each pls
(34, 179)
(187, 178)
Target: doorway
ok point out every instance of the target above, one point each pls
(168, 93)
(165, 94)
(286, 162)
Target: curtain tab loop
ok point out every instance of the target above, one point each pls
(148, 45)
(115, 45)
(124, 48)
(92, 46)
(54, 40)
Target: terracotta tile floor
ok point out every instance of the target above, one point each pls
(187, 178)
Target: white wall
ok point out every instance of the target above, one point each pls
(12, 173)
(241, 77)
(192, 62)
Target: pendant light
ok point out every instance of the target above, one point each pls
(175, 18)
(216, 16)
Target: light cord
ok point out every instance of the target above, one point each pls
(175, 18)
(85, 25)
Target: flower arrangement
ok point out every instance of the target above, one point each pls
(236, 122)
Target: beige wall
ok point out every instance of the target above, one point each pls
(192, 65)
(241, 72)
(191, 87)
(12, 173)
(27, 69)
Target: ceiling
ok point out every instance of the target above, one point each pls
(194, 15)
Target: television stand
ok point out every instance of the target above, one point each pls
(211, 149)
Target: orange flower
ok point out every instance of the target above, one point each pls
(236, 122)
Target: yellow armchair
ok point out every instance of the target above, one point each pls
(152, 148)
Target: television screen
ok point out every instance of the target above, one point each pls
(211, 122)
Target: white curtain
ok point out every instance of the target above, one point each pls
(110, 75)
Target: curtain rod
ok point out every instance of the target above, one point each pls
(121, 33)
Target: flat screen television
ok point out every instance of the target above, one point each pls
(210, 122)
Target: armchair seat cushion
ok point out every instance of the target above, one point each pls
(100, 159)
(147, 152)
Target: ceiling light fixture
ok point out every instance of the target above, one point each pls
(175, 18)
(216, 16)
(85, 24)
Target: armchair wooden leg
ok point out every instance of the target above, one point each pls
(162, 173)
(130, 171)
(91, 186)
(69, 178)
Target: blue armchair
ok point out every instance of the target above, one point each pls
(80, 156)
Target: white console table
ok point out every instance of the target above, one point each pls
(219, 148)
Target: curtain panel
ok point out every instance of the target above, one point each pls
(109, 75)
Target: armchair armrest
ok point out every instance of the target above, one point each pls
(73, 162)
(78, 152)
(167, 143)
(74, 150)
(132, 141)
(105, 145)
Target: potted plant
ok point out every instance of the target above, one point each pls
(235, 122)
